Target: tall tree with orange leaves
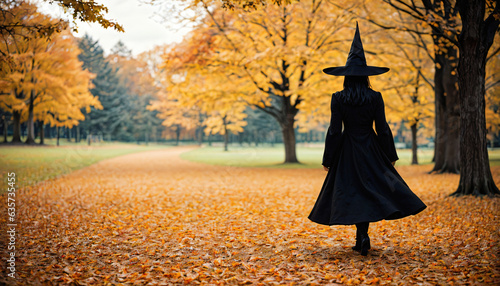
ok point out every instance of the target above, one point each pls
(16, 29)
(45, 73)
(272, 57)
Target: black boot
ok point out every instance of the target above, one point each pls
(357, 247)
(362, 239)
(365, 245)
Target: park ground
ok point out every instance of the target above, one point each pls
(155, 217)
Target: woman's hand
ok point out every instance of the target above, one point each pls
(325, 168)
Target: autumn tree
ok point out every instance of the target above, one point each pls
(136, 77)
(193, 98)
(406, 90)
(493, 96)
(480, 22)
(454, 93)
(176, 110)
(83, 10)
(224, 109)
(437, 20)
(279, 53)
(46, 79)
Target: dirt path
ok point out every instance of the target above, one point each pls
(152, 217)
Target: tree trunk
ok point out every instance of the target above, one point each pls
(446, 156)
(474, 41)
(447, 113)
(177, 135)
(450, 83)
(414, 157)
(288, 129)
(226, 134)
(42, 132)
(58, 134)
(69, 131)
(16, 136)
(77, 135)
(5, 128)
(255, 137)
(37, 127)
(31, 126)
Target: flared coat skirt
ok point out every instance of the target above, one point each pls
(363, 186)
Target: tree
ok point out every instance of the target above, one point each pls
(83, 10)
(176, 104)
(46, 79)
(194, 97)
(261, 127)
(114, 117)
(438, 19)
(278, 53)
(409, 99)
(224, 114)
(475, 39)
(493, 96)
(136, 77)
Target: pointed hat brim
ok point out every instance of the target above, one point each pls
(355, 70)
(356, 61)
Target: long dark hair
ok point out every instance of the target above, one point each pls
(357, 90)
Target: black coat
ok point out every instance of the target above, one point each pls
(361, 184)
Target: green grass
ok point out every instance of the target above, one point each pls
(310, 157)
(33, 164)
(273, 157)
(494, 157)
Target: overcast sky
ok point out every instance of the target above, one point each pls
(143, 30)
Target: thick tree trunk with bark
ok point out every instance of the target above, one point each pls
(30, 139)
(447, 109)
(414, 148)
(475, 40)
(42, 133)
(451, 94)
(288, 129)
(16, 136)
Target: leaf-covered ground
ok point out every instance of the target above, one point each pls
(152, 218)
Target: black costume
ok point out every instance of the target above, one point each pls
(362, 185)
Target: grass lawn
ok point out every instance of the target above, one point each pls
(33, 164)
(273, 157)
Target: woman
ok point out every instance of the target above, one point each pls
(362, 185)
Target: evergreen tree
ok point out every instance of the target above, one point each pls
(113, 121)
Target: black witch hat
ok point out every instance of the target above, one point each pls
(356, 62)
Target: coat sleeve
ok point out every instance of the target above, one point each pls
(334, 135)
(384, 134)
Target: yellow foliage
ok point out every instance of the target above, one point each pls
(46, 74)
